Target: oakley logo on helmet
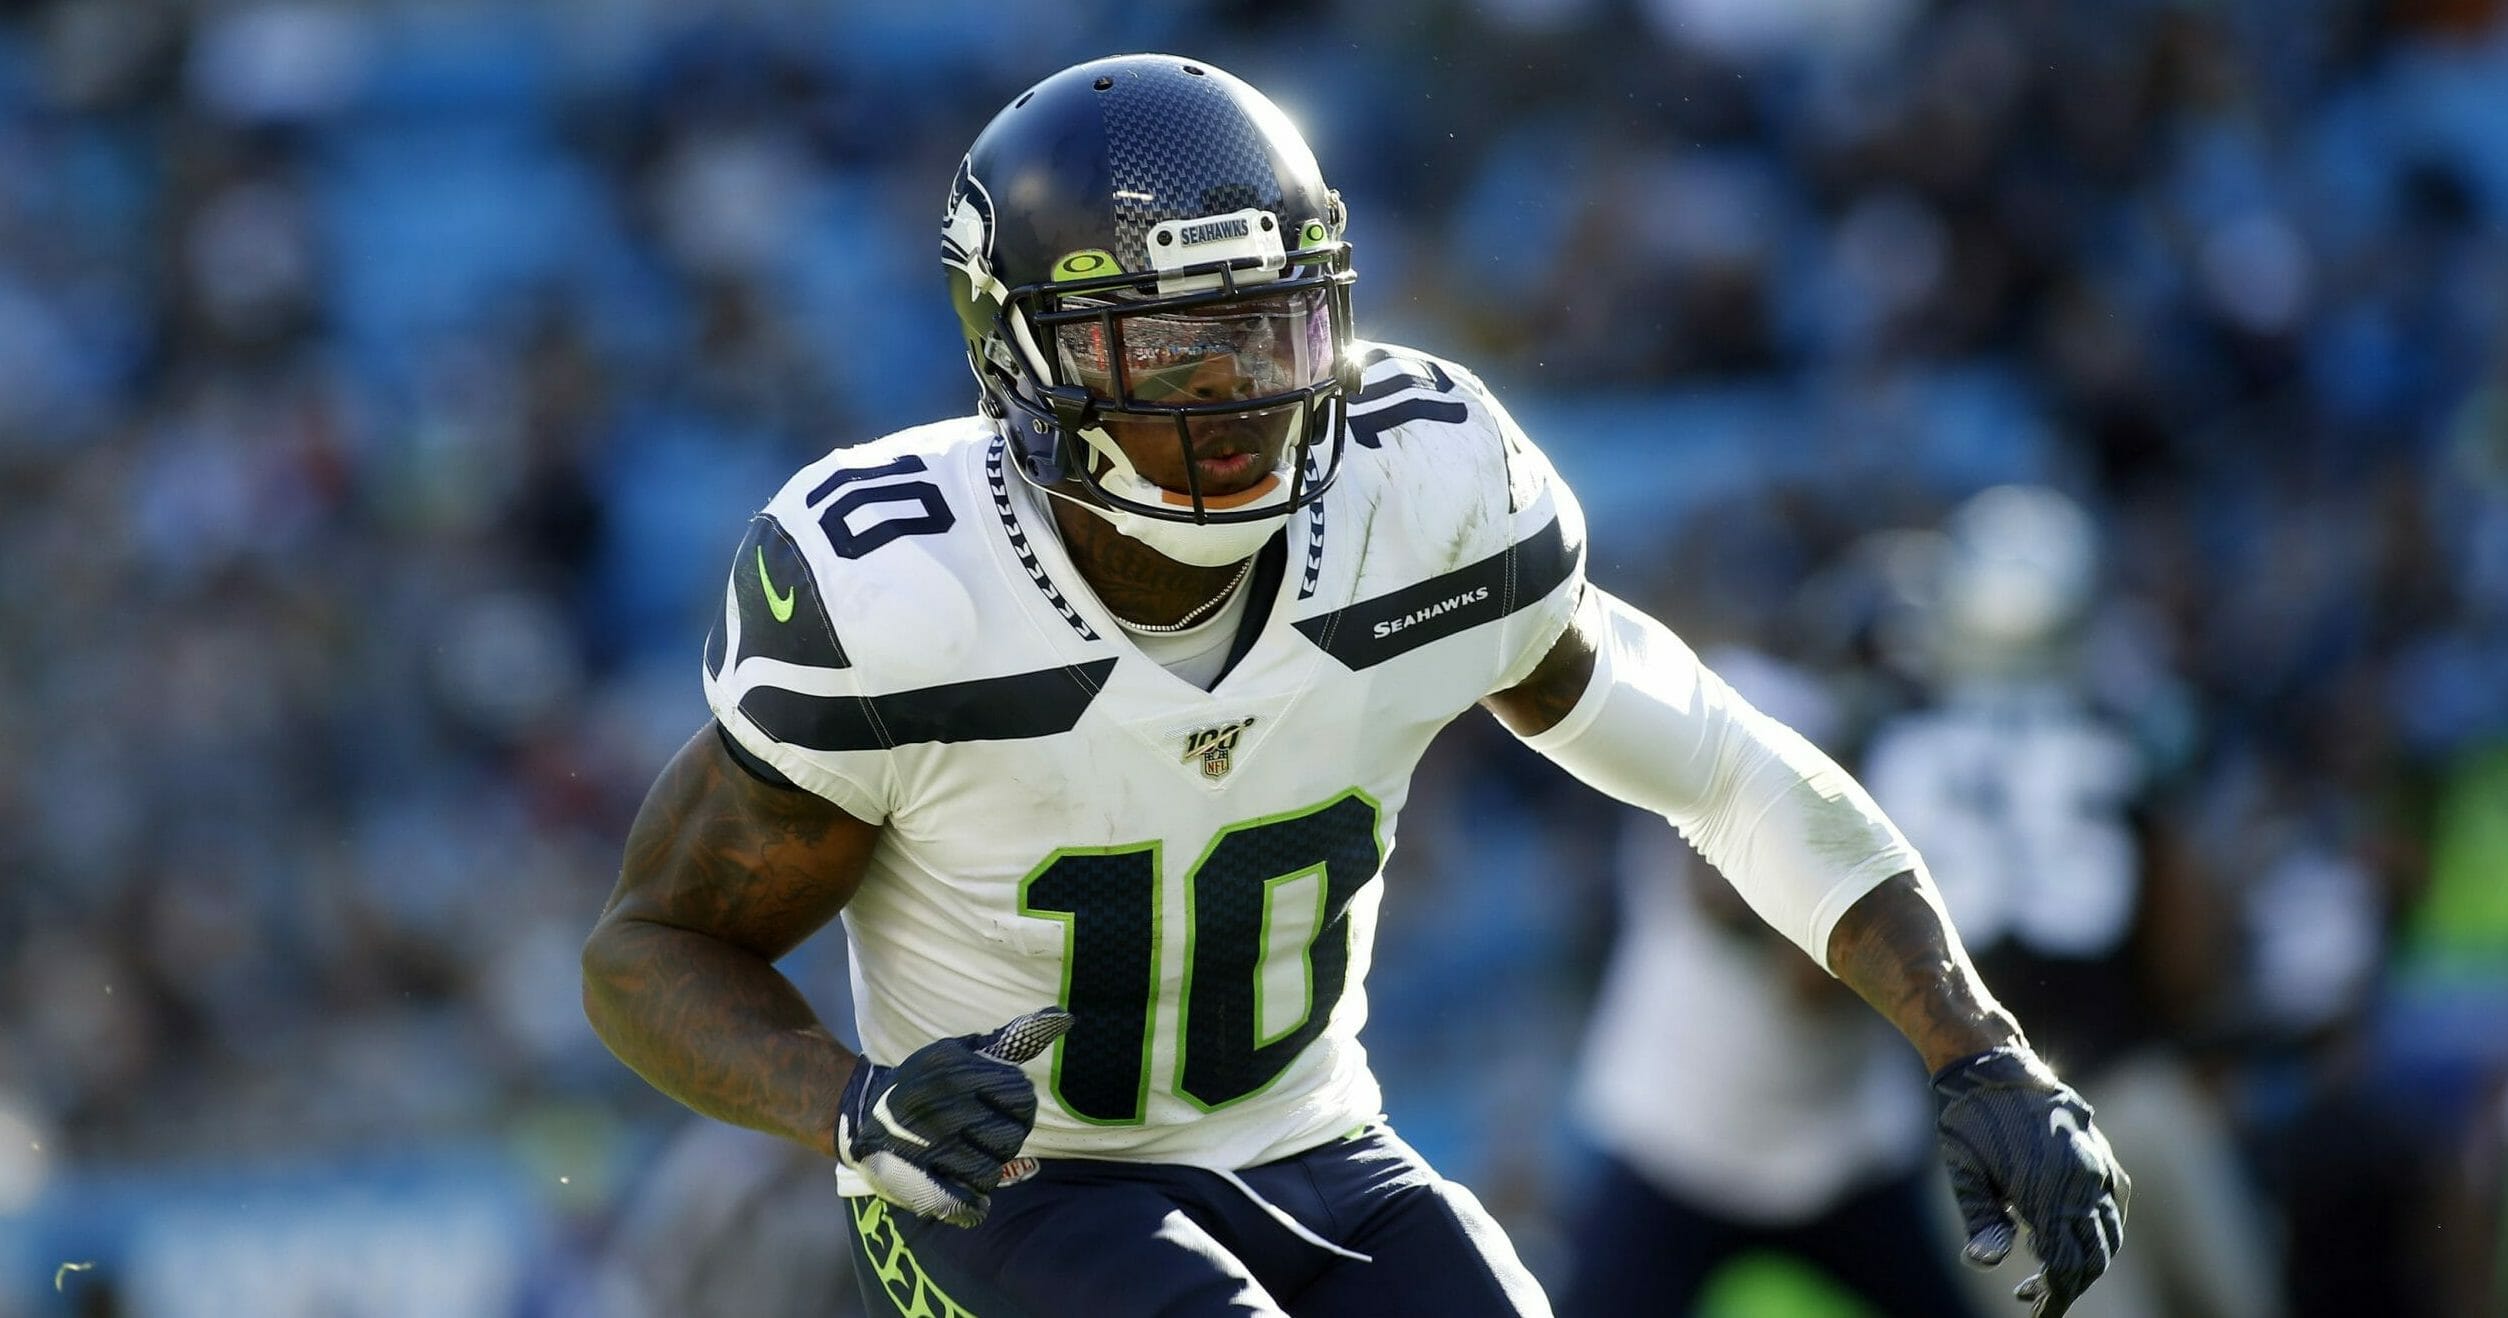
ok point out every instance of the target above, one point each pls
(1085, 264)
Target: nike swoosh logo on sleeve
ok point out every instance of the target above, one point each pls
(779, 605)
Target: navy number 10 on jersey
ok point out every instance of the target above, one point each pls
(1246, 898)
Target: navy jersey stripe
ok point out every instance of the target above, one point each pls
(1369, 427)
(1368, 633)
(1408, 373)
(1021, 705)
(755, 767)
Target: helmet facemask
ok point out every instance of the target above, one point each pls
(1198, 351)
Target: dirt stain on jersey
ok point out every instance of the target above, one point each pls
(1459, 550)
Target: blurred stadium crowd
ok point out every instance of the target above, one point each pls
(383, 386)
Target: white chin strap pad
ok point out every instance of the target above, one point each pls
(1215, 544)
(1796, 835)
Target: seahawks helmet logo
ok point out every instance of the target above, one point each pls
(967, 233)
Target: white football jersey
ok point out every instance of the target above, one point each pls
(1194, 874)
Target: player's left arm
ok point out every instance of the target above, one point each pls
(1894, 945)
(1623, 704)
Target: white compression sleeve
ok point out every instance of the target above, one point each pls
(1795, 834)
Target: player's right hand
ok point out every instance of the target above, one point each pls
(931, 1133)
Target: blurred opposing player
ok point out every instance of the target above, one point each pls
(1808, 1135)
(1093, 713)
(2028, 785)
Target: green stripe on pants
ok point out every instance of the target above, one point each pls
(901, 1278)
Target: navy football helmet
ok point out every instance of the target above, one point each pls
(1118, 228)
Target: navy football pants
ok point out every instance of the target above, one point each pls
(1641, 1250)
(1110, 1240)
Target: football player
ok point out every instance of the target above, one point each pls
(1092, 714)
(2032, 776)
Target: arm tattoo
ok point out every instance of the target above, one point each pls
(724, 874)
(736, 851)
(1896, 948)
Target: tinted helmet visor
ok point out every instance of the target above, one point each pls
(1275, 347)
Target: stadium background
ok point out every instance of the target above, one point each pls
(383, 386)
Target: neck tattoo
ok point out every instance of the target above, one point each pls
(1198, 612)
(1132, 580)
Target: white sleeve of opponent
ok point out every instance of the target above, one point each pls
(1795, 834)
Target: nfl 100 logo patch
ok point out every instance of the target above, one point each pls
(1216, 746)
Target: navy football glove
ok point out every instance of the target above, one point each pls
(2018, 1141)
(931, 1133)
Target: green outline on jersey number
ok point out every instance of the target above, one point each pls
(1267, 926)
(1185, 1084)
(1240, 914)
(1069, 919)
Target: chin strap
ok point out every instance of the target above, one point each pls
(1197, 544)
(1213, 544)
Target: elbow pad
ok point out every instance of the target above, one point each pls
(1796, 835)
